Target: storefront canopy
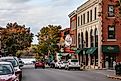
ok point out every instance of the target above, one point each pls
(84, 50)
(110, 49)
(77, 51)
(59, 54)
(63, 54)
(91, 50)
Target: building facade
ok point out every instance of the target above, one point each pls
(73, 28)
(98, 34)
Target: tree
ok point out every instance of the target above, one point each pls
(16, 37)
(48, 38)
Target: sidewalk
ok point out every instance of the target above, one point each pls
(109, 73)
(114, 76)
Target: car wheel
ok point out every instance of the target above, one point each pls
(35, 67)
(20, 77)
(68, 68)
(43, 67)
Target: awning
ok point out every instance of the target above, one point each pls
(63, 54)
(77, 51)
(84, 50)
(91, 50)
(59, 54)
(110, 49)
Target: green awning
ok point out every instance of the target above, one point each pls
(110, 49)
(59, 54)
(77, 51)
(91, 50)
(84, 50)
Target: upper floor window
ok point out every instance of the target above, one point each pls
(111, 32)
(87, 16)
(78, 21)
(81, 20)
(84, 18)
(110, 10)
(79, 40)
(95, 13)
(90, 15)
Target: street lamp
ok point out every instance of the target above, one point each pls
(0, 42)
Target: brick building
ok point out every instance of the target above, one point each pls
(98, 33)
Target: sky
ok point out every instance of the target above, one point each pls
(37, 13)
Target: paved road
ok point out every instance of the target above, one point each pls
(31, 74)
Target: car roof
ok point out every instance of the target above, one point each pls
(8, 57)
(2, 62)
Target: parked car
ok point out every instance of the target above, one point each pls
(52, 64)
(7, 72)
(57, 65)
(21, 63)
(39, 64)
(15, 62)
(72, 64)
(62, 64)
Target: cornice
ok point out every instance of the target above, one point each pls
(72, 14)
(91, 23)
(87, 5)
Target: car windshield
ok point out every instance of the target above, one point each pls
(74, 60)
(6, 69)
(13, 61)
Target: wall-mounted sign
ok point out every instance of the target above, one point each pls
(68, 40)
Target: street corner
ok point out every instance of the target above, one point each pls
(116, 77)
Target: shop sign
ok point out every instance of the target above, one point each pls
(68, 40)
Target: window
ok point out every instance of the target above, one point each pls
(110, 11)
(95, 13)
(111, 32)
(87, 16)
(78, 21)
(90, 15)
(79, 40)
(83, 18)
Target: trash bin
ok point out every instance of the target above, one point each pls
(118, 69)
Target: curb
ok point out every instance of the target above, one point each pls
(114, 77)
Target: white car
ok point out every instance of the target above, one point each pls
(15, 62)
(7, 72)
(62, 64)
(72, 64)
(57, 65)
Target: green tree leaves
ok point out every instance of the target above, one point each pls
(48, 38)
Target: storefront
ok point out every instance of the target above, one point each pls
(93, 56)
(110, 53)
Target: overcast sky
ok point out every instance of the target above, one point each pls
(37, 13)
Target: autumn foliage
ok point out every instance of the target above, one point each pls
(15, 37)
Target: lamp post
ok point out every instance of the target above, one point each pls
(0, 43)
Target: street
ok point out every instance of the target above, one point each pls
(48, 74)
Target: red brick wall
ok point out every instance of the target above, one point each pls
(109, 21)
(73, 32)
